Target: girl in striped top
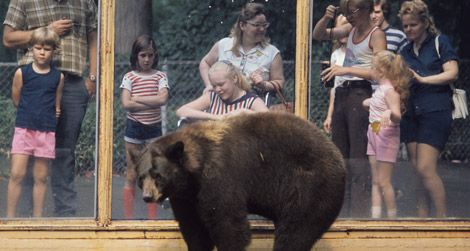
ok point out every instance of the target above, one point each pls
(143, 91)
(229, 97)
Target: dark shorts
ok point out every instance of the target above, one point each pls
(432, 128)
(139, 133)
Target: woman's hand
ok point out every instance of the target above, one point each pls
(417, 77)
(257, 79)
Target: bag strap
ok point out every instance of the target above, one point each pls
(436, 44)
(279, 90)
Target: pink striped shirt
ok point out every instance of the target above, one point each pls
(145, 85)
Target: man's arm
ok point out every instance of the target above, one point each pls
(92, 50)
(15, 39)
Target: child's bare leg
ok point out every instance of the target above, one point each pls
(376, 209)
(19, 164)
(129, 185)
(385, 170)
(40, 170)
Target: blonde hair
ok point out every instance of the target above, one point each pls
(231, 72)
(393, 67)
(419, 9)
(248, 12)
(45, 36)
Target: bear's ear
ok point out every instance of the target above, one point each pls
(175, 152)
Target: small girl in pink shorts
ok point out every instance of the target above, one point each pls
(36, 93)
(385, 106)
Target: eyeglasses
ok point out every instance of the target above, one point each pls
(259, 25)
(349, 14)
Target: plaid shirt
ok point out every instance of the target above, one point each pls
(31, 14)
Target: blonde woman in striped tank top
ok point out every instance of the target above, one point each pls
(229, 97)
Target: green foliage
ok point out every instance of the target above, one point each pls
(8, 115)
(186, 30)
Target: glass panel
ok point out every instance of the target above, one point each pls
(408, 184)
(184, 32)
(65, 186)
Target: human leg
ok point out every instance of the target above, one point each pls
(384, 173)
(421, 197)
(339, 130)
(357, 125)
(376, 202)
(152, 210)
(339, 136)
(19, 163)
(73, 108)
(40, 170)
(128, 191)
(427, 157)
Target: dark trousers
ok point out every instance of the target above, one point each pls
(349, 133)
(74, 104)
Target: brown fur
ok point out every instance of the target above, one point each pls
(272, 164)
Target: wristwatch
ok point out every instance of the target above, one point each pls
(92, 77)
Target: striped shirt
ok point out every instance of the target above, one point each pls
(145, 85)
(28, 15)
(396, 39)
(220, 107)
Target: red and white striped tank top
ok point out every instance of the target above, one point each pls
(220, 107)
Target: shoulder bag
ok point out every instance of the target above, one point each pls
(459, 96)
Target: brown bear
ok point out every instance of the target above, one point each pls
(272, 164)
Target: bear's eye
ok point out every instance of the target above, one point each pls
(158, 177)
(155, 175)
(140, 182)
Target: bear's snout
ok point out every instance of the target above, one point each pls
(148, 198)
(150, 192)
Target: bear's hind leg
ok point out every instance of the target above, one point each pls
(194, 232)
(231, 235)
(299, 236)
(228, 227)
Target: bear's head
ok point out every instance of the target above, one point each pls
(159, 167)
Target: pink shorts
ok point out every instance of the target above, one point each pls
(385, 144)
(33, 142)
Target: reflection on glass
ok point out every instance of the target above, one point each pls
(180, 54)
(67, 170)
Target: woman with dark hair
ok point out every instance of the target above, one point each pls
(249, 49)
(427, 121)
